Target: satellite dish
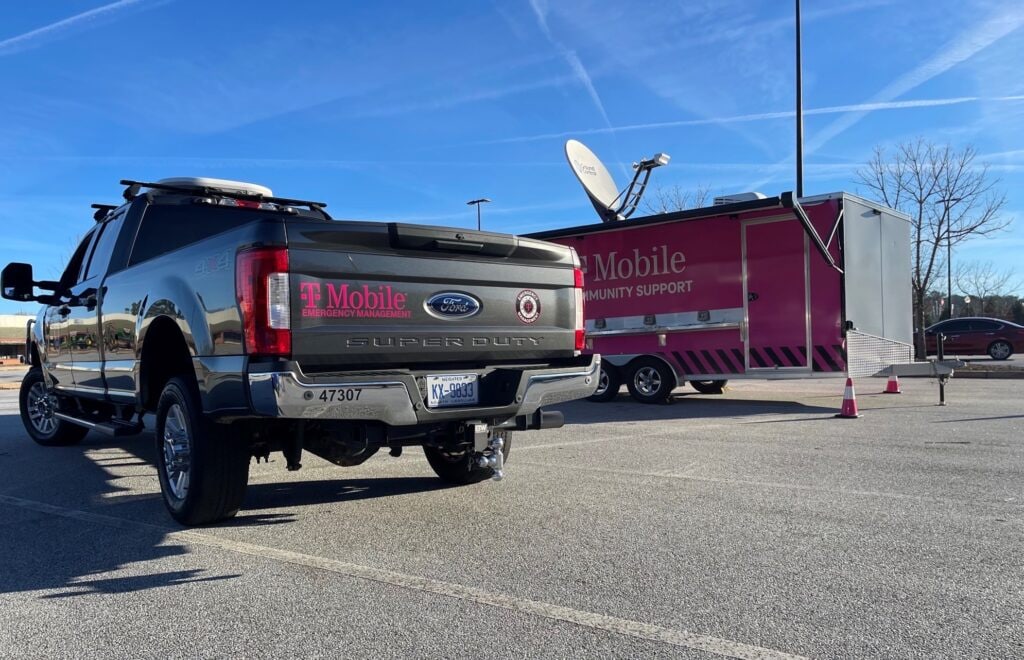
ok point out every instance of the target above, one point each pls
(593, 176)
(599, 185)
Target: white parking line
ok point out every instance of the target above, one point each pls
(676, 474)
(626, 627)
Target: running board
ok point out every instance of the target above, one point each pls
(115, 429)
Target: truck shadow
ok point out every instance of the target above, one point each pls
(286, 494)
(683, 406)
(72, 524)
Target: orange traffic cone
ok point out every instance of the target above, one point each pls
(893, 386)
(849, 409)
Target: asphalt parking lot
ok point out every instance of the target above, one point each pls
(750, 524)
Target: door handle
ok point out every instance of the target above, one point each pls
(751, 297)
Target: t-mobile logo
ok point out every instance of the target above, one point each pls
(309, 293)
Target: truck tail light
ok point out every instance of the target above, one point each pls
(581, 335)
(263, 292)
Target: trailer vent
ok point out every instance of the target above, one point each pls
(739, 197)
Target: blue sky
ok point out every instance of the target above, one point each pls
(405, 110)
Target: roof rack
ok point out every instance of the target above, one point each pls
(134, 187)
(102, 211)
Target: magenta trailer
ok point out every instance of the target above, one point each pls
(766, 288)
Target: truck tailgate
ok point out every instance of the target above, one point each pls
(374, 295)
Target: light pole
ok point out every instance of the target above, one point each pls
(477, 203)
(799, 110)
(947, 204)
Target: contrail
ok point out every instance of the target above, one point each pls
(765, 116)
(28, 39)
(540, 10)
(961, 48)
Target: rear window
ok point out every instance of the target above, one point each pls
(167, 227)
(986, 326)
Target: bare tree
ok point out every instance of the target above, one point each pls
(984, 282)
(949, 198)
(666, 199)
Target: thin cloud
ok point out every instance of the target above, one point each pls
(763, 116)
(36, 37)
(958, 50)
(540, 10)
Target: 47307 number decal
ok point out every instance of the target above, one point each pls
(341, 394)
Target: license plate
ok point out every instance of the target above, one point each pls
(452, 390)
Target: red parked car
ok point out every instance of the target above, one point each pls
(976, 336)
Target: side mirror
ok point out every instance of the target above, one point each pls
(16, 282)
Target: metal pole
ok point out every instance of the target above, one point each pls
(949, 269)
(941, 355)
(478, 216)
(799, 111)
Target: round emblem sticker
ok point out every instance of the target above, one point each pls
(528, 306)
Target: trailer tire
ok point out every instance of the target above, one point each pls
(37, 406)
(709, 386)
(608, 384)
(458, 468)
(650, 380)
(213, 458)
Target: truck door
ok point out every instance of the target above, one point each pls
(58, 353)
(59, 319)
(776, 272)
(84, 318)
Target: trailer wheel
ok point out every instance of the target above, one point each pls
(203, 469)
(1000, 350)
(458, 467)
(709, 386)
(650, 380)
(608, 384)
(37, 405)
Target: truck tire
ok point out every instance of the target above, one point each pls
(650, 380)
(709, 386)
(37, 406)
(609, 383)
(458, 468)
(203, 468)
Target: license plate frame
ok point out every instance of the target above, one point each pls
(452, 390)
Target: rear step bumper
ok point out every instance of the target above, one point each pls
(396, 399)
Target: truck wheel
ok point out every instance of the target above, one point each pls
(650, 380)
(608, 384)
(37, 404)
(203, 469)
(709, 386)
(1000, 350)
(458, 468)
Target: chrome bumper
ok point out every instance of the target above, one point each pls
(396, 399)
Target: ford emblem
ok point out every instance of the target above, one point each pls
(452, 305)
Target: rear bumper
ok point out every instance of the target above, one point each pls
(398, 399)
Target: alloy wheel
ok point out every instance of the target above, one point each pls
(177, 452)
(41, 406)
(647, 380)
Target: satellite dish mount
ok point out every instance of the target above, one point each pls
(608, 201)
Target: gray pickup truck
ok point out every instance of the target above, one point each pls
(249, 324)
